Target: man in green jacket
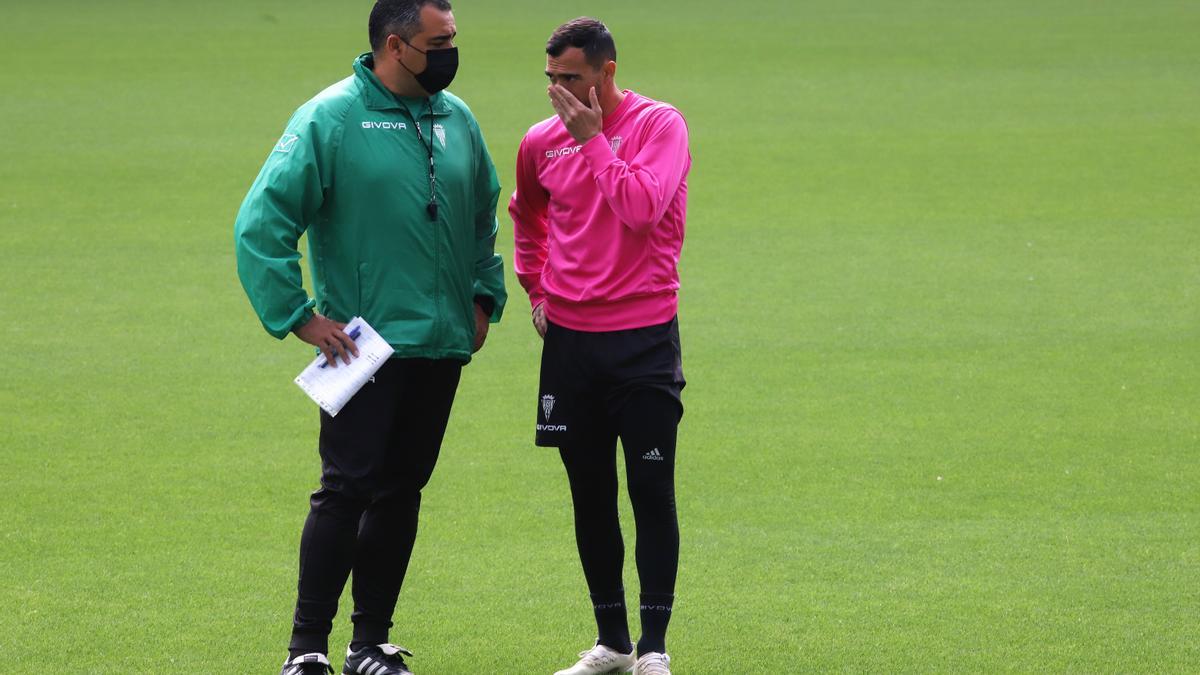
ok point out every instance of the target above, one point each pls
(389, 176)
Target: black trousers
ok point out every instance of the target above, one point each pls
(376, 456)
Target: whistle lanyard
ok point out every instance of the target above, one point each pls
(431, 208)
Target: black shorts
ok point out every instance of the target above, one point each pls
(587, 377)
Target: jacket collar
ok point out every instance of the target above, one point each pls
(378, 97)
(619, 113)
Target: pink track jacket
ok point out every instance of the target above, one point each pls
(598, 227)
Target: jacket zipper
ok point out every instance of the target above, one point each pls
(439, 328)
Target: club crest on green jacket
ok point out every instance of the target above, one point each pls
(351, 171)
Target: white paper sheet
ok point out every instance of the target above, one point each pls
(331, 388)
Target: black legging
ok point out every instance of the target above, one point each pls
(647, 426)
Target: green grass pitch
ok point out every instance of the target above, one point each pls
(941, 325)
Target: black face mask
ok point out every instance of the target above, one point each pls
(440, 67)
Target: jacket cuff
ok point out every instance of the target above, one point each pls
(300, 317)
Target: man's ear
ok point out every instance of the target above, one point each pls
(610, 69)
(394, 46)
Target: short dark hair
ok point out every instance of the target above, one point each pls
(588, 34)
(398, 17)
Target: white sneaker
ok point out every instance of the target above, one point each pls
(598, 660)
(652, 663)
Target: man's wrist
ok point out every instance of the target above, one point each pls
(306, 316)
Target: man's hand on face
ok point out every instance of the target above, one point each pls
(539, 319)
(584, 122)
(327, 336)
(481, 328)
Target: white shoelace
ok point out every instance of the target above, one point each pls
(596, 656)
(654, 664)
(297, 664)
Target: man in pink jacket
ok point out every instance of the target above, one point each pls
(598, 217)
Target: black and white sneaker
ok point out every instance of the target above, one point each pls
(382, 659)
(309, 664)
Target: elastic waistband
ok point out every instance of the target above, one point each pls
(623, 314)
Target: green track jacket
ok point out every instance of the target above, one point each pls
(351, 171)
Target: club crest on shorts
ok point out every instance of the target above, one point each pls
(547, 406)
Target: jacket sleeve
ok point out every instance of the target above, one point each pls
(489, 265)
(281, 204)
(528, 208)
(640, 191)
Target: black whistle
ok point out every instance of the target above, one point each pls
(431, 208)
